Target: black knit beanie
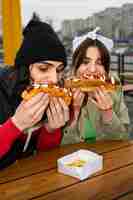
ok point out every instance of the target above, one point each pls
(40, 43)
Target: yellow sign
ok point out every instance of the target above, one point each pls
(12, 31)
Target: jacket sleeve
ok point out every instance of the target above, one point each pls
(71, 135)
(8, 134)
(118, 127)
(48, 140)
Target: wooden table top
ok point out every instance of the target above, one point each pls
(37, 177)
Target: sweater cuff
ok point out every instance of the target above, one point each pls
(11, 130)
(47, 140)
(115, 121)
(8, 134)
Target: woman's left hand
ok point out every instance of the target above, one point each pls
(104, 102)
(57, 113)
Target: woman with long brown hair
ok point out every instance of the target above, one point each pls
(99, 114)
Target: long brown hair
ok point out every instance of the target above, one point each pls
(80, 53)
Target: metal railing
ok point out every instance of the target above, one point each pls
(122, 63)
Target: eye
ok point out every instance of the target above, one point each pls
(43, 68)
(99, 62)
(86, 61)
(60, 68)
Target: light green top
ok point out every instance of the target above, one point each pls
(89, 131)
(90, 125)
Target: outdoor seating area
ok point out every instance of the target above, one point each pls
(66, 100)
(37, 177)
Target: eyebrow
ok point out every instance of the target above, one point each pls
(88, 58)
(51, 65)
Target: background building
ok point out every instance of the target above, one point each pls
(116, 23)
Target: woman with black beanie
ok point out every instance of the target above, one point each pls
(40, 58)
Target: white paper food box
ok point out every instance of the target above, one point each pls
(80, 164)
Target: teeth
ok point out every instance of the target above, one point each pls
(102, 78)
(35, 85)
(56, 86)
(44, 85)
(65, 90)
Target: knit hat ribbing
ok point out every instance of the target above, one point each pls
(40, 43)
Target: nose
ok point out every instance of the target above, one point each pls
(91, 68)
(53, 76)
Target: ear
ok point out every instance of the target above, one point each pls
(30, 68)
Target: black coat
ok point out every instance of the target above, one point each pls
(12, 82)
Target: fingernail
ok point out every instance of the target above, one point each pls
(46, 95)
(41, 94)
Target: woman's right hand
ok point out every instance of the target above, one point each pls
(57, 113)
(30, 112)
